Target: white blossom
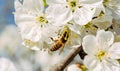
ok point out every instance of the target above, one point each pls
(81, 11)
(113, 6)
(104, 20)
(76, 67)
(73, 67)
(102, 52)
(35, 26)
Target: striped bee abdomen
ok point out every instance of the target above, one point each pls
(56, 46)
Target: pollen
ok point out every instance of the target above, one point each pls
(41, 20)
(72, 5)
(101, 54)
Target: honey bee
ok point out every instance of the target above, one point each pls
(60, 43)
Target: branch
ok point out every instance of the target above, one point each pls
(66, 60)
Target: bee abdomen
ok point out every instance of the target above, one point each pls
(55, 47)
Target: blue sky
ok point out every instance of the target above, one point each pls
(6, 10)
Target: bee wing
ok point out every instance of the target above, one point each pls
(61, 49)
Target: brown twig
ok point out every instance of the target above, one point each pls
(66, 60)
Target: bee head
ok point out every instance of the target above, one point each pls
(65, 34)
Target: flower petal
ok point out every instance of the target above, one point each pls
(105, 39)
(92, 63)
(55, 1)
(73, 67)
(103, 22)
(18, 5)
(115, 51)
(110, 64)
(83, 15)
(74, 27)
(33, 5)
(89, 44)
(92, 2)
(59, 13)
(106, 66)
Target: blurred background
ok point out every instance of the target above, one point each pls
(6, 16)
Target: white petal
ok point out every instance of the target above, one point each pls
(105, 39)
(108, 64)
(115, 51)
(55, 1)
(99, 8)
(59, 13)
(89, 44)
(22, 17)
(83, 15)
(92, 2)
(18, 5)
(92, 63)
(73, 67)
(33, 5)
(34, 35)
(74, 27)
(97, 68)
(103, 22)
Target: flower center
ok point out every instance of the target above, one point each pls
(72, 5)
(41, 20)
(101, 54)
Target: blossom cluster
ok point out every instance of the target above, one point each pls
(52, 25)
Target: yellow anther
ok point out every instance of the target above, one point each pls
(100, 55)
(41, 20)
(73, 4)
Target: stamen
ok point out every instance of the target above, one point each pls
(100, 55)
(41, 20)
(30, 43)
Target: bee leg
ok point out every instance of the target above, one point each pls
(61, 49)
(49, 52)
(53, 39)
